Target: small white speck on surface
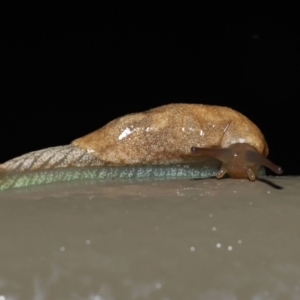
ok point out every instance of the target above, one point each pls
(229, 248)
(234, 192)
(239, 241)
(210, 215)
(218, 245)
(158, 285)
(250, 203)
(214, 229)
(87, 242)
(62, 249)
(268, 192)
(192, 248)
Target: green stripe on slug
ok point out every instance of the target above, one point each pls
(185, 171)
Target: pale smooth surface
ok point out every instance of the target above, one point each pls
(175, 239)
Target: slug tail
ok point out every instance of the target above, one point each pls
(51, 158)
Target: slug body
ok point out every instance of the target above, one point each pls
(170, 134)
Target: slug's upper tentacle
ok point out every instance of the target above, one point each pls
(239, 160)
(256, 158)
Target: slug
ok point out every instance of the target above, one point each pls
(168, 135)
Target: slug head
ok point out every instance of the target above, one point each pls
(239, 160)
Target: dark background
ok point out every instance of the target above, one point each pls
(69, 70)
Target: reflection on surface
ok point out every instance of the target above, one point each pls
(180, 239)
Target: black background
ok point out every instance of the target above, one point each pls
(67, 71)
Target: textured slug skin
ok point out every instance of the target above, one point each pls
(170, 134)
(166, 134)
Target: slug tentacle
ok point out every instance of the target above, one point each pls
(239, 160)
(255, 157)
